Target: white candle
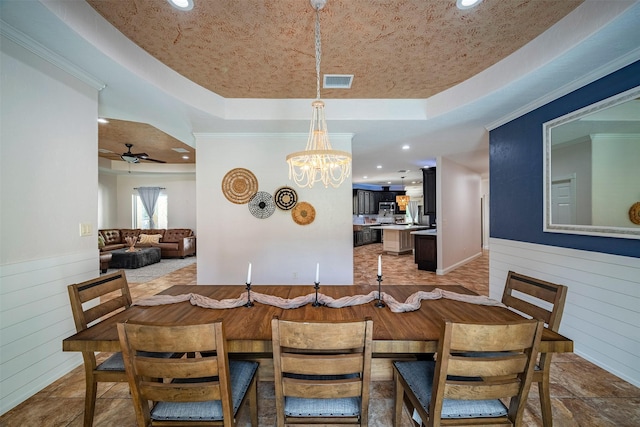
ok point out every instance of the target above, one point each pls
(379, 265)
(318, 273)
(249, 274)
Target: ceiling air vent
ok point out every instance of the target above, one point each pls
(337, 81)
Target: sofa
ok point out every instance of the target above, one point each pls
(173, 242)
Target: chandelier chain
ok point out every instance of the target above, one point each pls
(318, 52)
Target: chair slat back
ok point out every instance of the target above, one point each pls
(187, 379)
(322, 360)
(486, 361)
(100, 287)
(548, 292)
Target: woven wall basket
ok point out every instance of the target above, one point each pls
(239, 185)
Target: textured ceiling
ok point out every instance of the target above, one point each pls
(145, 138)
(394, 48)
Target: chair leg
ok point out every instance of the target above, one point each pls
(253, 402)
(90, 402)
(398, 401)
(545, 401)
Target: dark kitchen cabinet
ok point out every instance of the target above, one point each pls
(365, 202)
(429, 193)
(426, 252)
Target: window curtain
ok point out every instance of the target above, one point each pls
(149, 198)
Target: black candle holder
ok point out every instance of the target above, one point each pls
(248, 303)
(316, 303)
(379, 303)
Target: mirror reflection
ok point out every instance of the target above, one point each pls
(592, 169)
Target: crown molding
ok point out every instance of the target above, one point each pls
(594, 75)
(48, 55)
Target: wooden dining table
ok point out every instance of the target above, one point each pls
(248, 329)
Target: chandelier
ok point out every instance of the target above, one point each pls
(402, 201)
(319, 162)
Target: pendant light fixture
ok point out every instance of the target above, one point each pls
(402, 201)
(319, 162)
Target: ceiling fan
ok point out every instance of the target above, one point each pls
(130, 157)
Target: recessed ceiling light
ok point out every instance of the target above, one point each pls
(405, 147)
(365, 177)
(185, 157)
(467, 4)
(379, 166)
(101, 120)
(181, 4)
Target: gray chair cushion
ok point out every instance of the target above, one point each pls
(242, 374)
(419, 377)
(113, 363)
(302, 407)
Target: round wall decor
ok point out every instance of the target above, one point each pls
(286, 198)
(261, 205)
(239, 185)
(634, 213)
(303, 213)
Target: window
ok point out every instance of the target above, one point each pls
(141, 219)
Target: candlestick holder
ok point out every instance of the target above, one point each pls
(379, 303)
(248, 303)
(316, 303)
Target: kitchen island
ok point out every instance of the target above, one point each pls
(397, 239)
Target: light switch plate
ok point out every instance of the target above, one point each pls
(85, 229)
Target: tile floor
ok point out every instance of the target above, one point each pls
(583, 394)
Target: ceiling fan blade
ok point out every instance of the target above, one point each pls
(152, 160)
(141, 155)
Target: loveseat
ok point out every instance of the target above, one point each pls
(173, 242)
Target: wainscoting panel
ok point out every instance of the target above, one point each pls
(602, 311)
(35, 317)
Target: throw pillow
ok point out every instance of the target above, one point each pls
(101, 243)
(150, 238)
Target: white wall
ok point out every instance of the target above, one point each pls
(484, 190)
(49, 185)
(281, 251)
(458, 215)
(603, 300)
(616, 182)
(107, 200)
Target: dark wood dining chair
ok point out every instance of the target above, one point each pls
(541, 300)
(322, 371)
(205, 389)
(111, 294)
(477, 367)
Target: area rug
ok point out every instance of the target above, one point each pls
(153, 271)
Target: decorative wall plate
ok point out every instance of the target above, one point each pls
(286, 198)
(303, 213)
(239, 185)
(261, 205)
(634, 213)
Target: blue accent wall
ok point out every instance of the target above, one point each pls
(516, 171)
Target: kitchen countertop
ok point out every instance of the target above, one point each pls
(430, 232)
(399, 227)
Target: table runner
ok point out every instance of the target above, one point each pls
(412, 303)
